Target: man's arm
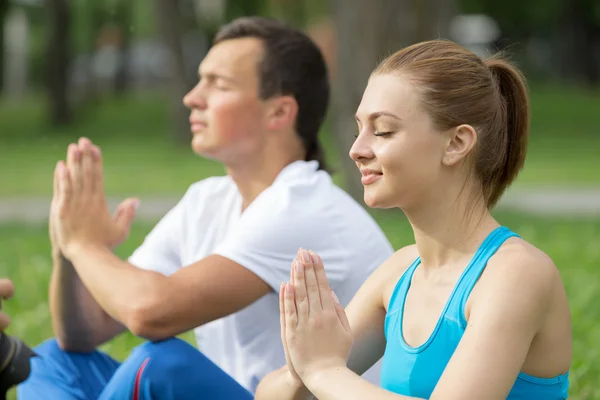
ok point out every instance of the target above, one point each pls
(79, 323)
(155, 306)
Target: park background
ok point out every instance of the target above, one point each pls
(116, 70)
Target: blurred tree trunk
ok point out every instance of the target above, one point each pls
(368, 30)
(124, 22)
(4, 4)
(170, 23)
(58, 61)
(433, 19)
(581, 38)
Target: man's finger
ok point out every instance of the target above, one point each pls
(74, 166)
(55, 193)
(97, 174)
(65, 187)
(7, 288)
(125, 213)
(87, 165)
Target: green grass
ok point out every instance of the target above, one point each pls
(573, 244)
(142, 158)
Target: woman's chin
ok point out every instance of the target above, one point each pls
(378, 200)
(371, 200)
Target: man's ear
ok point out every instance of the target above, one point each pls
(282, 112)
(461, 141)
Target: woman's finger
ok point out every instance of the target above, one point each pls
(282, 310)
(324, 289)
(291, 316)
(301, 296)
(341, 313)
(312, 287)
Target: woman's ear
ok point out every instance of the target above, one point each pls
(461, 141)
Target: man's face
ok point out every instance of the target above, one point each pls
(227, 116)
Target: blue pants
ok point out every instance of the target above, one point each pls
(169, 369)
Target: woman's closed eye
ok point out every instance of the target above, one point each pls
(376, 133)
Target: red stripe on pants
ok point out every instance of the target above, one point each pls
(138, 379)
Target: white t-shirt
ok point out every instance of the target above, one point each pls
(302, 208)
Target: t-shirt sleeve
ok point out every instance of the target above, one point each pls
(268, 236)
(160, 250)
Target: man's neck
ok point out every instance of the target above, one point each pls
(252, 178)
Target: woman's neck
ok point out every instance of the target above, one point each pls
(447, 231)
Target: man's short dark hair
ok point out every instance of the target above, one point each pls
(292, 65)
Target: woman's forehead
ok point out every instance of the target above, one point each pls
(388, 93)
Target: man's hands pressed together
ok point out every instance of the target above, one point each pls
(79, 216)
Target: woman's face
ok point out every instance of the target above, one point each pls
(398, 150)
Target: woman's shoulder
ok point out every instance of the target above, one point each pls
(518, 258)
(517, 270)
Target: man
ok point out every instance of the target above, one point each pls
(215, 262)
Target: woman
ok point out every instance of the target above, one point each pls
(471, 311)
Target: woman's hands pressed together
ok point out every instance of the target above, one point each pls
(314, 328)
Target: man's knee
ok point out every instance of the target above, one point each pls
(173, 347)
(172, 368)
(154, 367)
(171, 354)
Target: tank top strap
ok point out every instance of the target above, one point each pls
(471, 275)
(396, 303)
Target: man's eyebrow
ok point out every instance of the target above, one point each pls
(213, 76)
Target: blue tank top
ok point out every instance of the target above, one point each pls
(415, 371)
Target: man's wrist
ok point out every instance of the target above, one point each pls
(78, 249)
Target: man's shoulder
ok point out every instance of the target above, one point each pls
(207, 188)
(311, 201)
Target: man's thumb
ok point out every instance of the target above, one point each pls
(125, 212)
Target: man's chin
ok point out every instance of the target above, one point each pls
(201, 149)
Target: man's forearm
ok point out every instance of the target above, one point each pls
(279, 385)
(79, 322)
(125, 292)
